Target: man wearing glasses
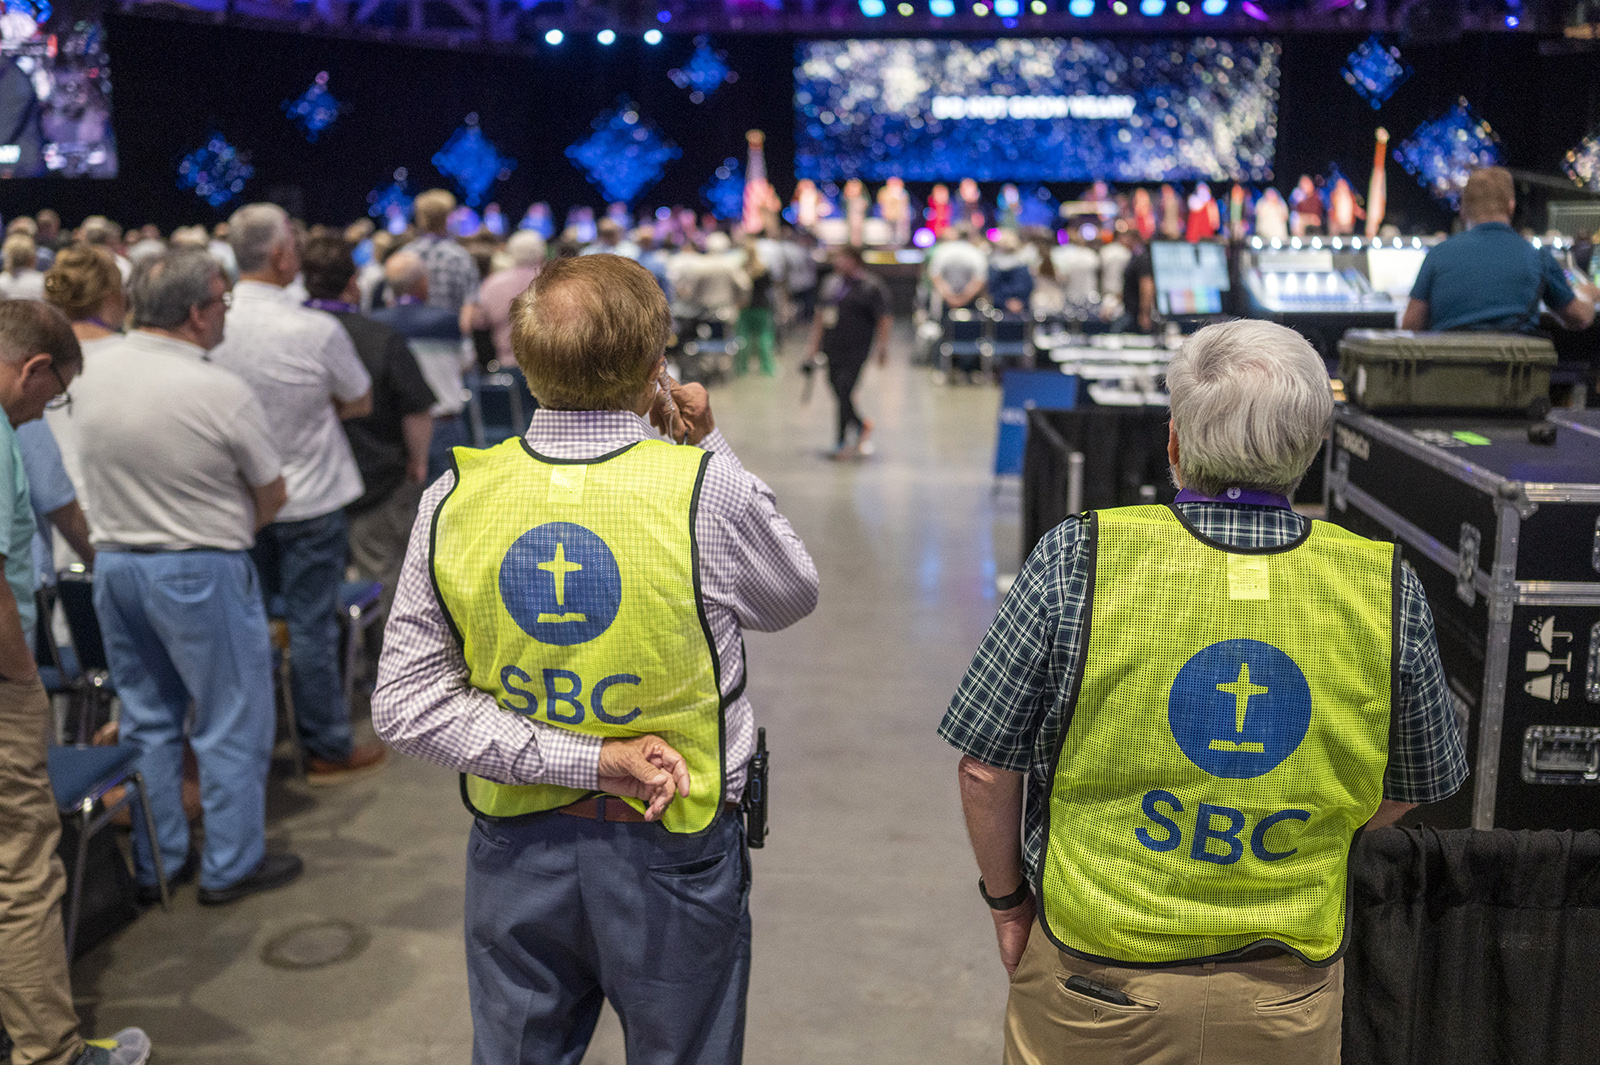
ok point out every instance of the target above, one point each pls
(179, 474)
(39, 357)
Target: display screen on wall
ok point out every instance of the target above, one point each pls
(1049, 109)
(55, 95)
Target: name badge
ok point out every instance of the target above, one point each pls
(1248, 578)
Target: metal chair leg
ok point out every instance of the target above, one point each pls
(292, 724)
(150, 827)
(85, 812)
(352, 634)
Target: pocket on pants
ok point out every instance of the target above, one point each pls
(698, 907)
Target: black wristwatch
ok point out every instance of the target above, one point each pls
(1011, 901)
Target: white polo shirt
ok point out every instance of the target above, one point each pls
(170, 446)
(298, 361)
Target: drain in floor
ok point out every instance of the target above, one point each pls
(313, 945)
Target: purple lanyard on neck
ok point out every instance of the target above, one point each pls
(92, 320)
(1237, 495)
(331, 306)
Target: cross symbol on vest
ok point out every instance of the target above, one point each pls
(558, 568)
(1241, 689)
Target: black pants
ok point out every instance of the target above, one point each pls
(843, 373)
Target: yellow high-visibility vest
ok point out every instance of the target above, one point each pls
(1228, 739)
(574, 589)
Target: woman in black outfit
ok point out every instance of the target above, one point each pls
(851, 326)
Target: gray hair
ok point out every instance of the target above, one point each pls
(405, 272)
(526, 248)
(1251, 402)
(164, 287)
(254, 232)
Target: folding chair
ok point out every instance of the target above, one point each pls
(80, 778)
(358, 604)
(92, 682)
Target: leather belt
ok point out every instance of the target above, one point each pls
(611, 808)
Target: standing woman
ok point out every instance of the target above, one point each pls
(852, 325)
(756, 328)
(86, 285)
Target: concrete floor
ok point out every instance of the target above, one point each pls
(871, 944)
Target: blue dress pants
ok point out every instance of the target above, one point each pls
(565, 913)
(303, 561)
(181, 626)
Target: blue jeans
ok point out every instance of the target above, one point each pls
(564, 913)
(447, 433)
(303, 561)
(185, 625)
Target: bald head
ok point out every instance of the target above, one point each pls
(406, 275)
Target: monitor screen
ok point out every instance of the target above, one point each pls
(1394, 270)
(1190, 278)
(1037, 109)
(55, 95)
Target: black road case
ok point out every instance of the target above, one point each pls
(1505, 536)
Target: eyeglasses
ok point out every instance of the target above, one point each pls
(226, 299)
(64, 400)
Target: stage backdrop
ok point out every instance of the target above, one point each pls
(178, 86)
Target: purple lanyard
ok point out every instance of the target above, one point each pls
(1237, 495)
(334, 306)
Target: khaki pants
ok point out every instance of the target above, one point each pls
(35, 986)
(1275, 1011)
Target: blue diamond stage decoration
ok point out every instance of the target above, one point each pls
(393, 200)
(315, 109)
(625, 154)
(1583, 162)
(475, 163)
(217, 172)
(1375, 71)
(725, 192)
(1441, 153)
(705, 72)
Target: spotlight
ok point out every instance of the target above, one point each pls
(873, 8)
(1120, 8)
(941, 8)
(663, 16)
(1183, 8)
(1008, 8)
(1152, 8)
(1254, 11)
(1009, 23)
(1512, 22)
(906, 10)
(1213, 7)
(554, 37)
(652, 36)
(1039, 7)
(606, 36)
(1080, 8)
(980, 9)
(923, 238)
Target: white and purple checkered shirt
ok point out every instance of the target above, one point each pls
(755, 574)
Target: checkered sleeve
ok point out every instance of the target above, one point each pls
(1427, 762)
(1016, 676)
(425, 707)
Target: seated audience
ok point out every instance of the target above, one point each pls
(21, 279)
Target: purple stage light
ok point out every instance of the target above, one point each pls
(923, 238)
(1253, 11)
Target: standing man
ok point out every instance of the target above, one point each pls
(568, 631)
(391, 443)
(452, 275)
(1488, 277)
(308, 377)
(39, 357)
(852, 325)
(179, 474)
(1203, 704)
(434, 334)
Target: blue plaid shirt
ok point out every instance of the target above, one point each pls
(1012, 704)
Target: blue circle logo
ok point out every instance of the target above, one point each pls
(1239, 708)
(561, 584)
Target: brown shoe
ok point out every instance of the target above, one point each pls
(364, 758)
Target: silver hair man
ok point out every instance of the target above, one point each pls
(406, 274)
(526, 248)
(255, 231)
(1251, 403)
(164, 287)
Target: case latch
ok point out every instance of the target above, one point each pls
(1467, 563)
(1561, 754)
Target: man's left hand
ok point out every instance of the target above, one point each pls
(1011, 928)
(646, 768)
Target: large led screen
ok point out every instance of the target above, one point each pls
(1036, 110)
(55, 95)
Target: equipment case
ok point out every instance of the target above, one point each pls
(1505, 537)
(1400, 370)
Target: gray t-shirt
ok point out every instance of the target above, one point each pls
(171, 447)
